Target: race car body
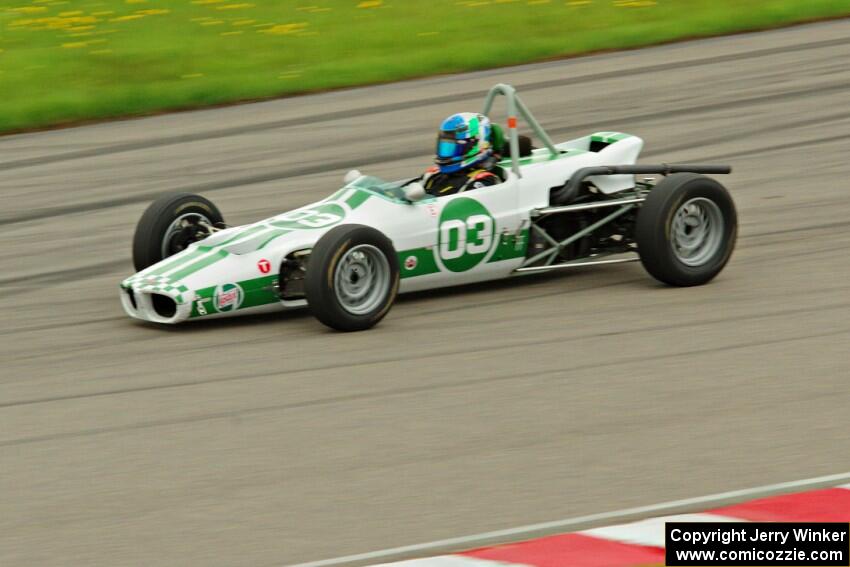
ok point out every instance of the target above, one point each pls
(418, 241)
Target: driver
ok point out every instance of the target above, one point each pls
(465, 157)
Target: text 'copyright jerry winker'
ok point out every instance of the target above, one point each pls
(757, 543)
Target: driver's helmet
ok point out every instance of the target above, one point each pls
(463, 141)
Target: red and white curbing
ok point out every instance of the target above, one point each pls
(642, 543)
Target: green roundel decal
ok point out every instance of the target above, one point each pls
(466, 234)
(320, 216)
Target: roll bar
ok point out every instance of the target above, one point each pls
(515, 107)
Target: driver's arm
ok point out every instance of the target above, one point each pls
(482, 178)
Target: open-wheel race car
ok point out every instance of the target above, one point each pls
(346, 257)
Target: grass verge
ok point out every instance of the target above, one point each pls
(69, 60)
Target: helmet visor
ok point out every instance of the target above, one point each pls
(449, 148)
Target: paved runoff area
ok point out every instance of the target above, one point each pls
(642, 543)
(271, 440)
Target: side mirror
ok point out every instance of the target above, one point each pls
(352, 176)
(414, 192)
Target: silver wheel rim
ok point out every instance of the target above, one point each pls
(176, 227)
(362, 279)
(697, 231)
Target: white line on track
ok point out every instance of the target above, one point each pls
(578, 523)
(650, 532)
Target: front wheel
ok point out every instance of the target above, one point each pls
(352, 278)
(686, 229)
(170, 224)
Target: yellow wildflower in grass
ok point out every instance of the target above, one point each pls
(127, 18)
(578, 2)
(532, 2)
(634, 3)
(243, 22)
(74, 45)
(236, 32)
(427, 33)
(203, 2)
(370, 4)
(212, 23)
(135, 1)
(103, 13)
(235, 6)
(285, 29)
(154, 12)
(29, 9)
(67, 14)
(54, 22)
(192, 76)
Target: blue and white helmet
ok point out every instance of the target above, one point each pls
(463, 141)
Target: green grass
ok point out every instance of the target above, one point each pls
(69, 60)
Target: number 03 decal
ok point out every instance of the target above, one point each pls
(471, 237)
(318, 217)
(465, 235)
(318, 220)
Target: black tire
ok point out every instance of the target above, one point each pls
(320, 282)
(149, 246)
(654, 231)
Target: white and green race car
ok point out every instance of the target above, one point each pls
(346, 257)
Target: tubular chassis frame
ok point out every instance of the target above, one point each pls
(626, 201)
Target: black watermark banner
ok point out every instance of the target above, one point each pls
(757, 543)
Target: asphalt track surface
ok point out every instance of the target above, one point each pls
(272, 440)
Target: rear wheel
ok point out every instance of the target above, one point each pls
(686, 229)
(352, 278)
(170, 224)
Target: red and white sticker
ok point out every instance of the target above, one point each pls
(410, 263)
(264, 266)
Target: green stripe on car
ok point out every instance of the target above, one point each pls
(608, 137)
(257, 241)
(176, 261)
(421, 261)
(357, 198)
(277, 234)
(202, 263)
(257, 292)
(510, 246)
(417, 262)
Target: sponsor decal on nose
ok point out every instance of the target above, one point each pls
(264, 266)
(228, 297)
